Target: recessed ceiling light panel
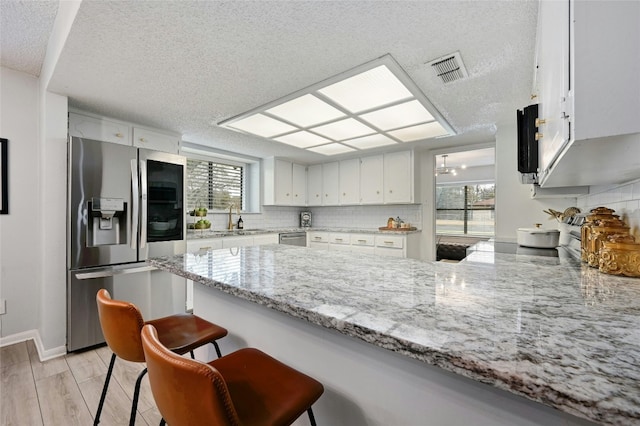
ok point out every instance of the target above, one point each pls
(344, 129)
(421, 131)
(370, 89)
(331, 149)
(261, 125)
(306, 111)
(402, 115)
(302, 139)
(372, 141)
(372, 105)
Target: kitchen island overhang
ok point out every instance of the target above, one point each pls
(544, 328)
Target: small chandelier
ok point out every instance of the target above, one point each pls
(443, 169)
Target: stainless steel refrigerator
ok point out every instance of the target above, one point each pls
(125, 205)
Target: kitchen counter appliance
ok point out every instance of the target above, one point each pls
(294, 238)
(124, 205)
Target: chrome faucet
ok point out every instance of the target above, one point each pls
(231, 206)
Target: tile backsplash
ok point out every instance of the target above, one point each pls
(624, 199)
(355, 217)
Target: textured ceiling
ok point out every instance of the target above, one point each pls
(185, 66)
(24, 32)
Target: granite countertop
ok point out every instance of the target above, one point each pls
(546, 328)
(193, 234)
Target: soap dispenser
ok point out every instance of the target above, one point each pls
(240, 223)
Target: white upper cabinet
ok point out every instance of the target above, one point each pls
(107, 130)
(314, 185)
(371, 180)
(330, 184)
(284, 183)
(588, 62)
(398, 177)
(350, 181)
(145, 138)
(99, 129)
(299, 185)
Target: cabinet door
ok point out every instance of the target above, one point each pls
(350, 181)
(552, 79)
(371, 181)
(398, 177)
(330, 184)
(314, 185)
(99, 129)
(299, 185)
(283, 176)
(144, 138)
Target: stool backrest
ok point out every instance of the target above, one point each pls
(121, 324)
(187, 392)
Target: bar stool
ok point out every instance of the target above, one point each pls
(246, 387)
(122, 323)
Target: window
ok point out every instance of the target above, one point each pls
(465, 209)
(214, 185)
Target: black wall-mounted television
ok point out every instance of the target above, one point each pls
(527, 143)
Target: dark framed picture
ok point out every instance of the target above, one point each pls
(4, 176)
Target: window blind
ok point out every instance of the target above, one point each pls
(214, 185)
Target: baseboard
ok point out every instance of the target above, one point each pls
(43, 354)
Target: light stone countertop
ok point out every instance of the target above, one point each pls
(546, 328)
(193, 234)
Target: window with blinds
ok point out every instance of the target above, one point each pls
(214, 185)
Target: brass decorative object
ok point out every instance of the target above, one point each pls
(620, 255)
(592, 220)
(599, 234)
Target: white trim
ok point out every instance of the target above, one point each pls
(43, 354)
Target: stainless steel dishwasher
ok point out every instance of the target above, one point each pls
(294, 239)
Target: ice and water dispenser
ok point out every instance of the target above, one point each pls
(107, 222)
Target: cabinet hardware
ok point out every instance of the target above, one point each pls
(534, 96)
(143, 140)
(317, 238)
(540, 122)
(362, 241)
(388, 242)
(205, 248)
(539, 136)
(118, 135)
(338, 239)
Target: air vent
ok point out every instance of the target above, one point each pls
(449, 67)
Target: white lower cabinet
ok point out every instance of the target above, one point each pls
(319, 240)
(261, 239)
(391, 245)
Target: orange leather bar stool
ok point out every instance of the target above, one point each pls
(246, 387)
(122, 323)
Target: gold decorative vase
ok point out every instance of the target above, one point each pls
(591, 220)
(599, 234)
(620, 255)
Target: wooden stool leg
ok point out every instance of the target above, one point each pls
(136, 394)
(96, 420)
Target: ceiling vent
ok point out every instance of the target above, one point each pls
(449, 67)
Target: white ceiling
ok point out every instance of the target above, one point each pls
(187, 65)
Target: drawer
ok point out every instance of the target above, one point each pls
(362, 240)
(203, 244)
(318, 237)
(339, 238)
(390, 241)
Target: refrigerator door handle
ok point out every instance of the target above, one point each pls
(136, 204)
(111, 273)
(143, 216)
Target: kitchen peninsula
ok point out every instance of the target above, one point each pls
(547, 329)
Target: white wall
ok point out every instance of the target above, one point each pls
(514, 206)
(20, 232)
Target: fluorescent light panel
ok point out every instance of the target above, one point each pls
(370, 89)
(340, 112)
(402, 115)
(302, 139)
(332, 149)
(262, 125)
(306, 111)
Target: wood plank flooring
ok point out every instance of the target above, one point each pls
(66, 390)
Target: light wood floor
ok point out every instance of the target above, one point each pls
(66, 390)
